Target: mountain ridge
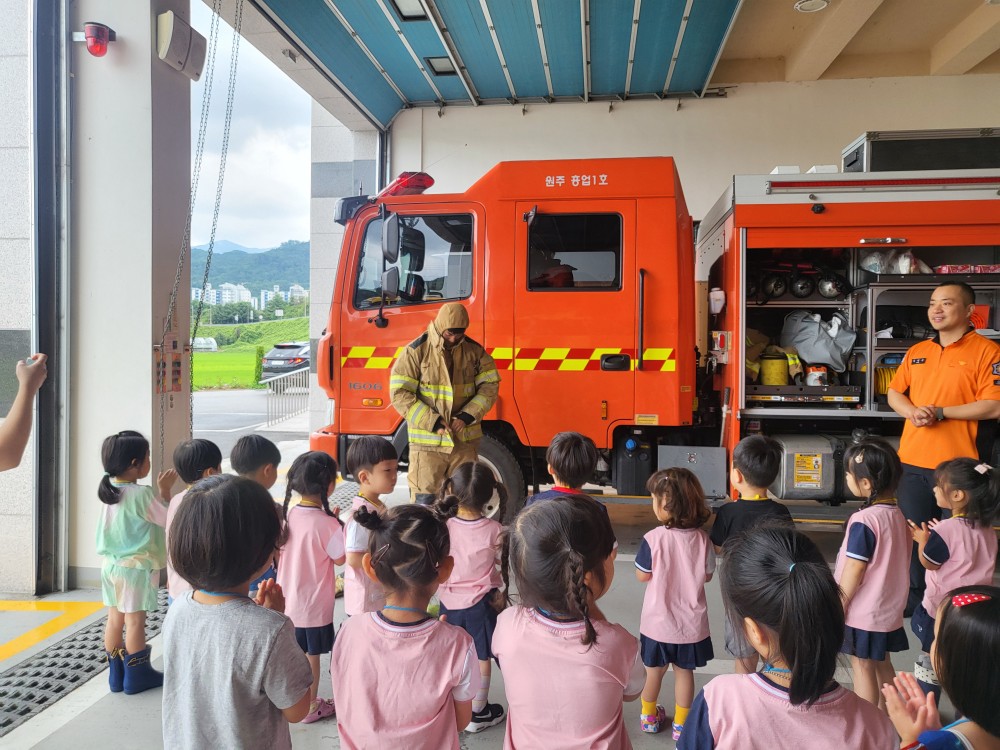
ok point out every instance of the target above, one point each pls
(284, 265)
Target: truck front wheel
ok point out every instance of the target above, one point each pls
(501, 461)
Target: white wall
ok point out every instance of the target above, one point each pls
(131, 180)
(755, 128)
(17, 487)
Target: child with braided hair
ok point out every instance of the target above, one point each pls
(566, 669)
(306, 574)
(401, 677)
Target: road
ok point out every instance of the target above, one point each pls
(225, 416)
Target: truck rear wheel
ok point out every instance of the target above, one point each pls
(501, 461)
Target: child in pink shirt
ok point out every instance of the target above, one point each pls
(776, 584)
(676, 560)
(470, 598)
(402, 678)
(373, 463)
(873, 567)
(314, 545)
(566, 669)
(958, 551)
(193, 460)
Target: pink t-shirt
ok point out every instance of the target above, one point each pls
(877, 606)
(361, 593)
(175, 584)
(972, 558)
(474, 547)
(396, 685)
(306, 572)
(680, 561)
(746, 711)
(561, 694)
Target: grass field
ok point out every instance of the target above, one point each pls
(234, 365)
(225, 369)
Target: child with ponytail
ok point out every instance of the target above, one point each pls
(470, 598)
(402, 678)
(958, 551)
(306, 574)
(131, 539)
(873, 567)
(566, 669)
(776, 584)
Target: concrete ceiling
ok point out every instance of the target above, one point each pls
(361, 62)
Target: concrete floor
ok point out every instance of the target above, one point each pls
(92, 717)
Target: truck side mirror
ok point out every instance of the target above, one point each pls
(390, 238)
(390, 283)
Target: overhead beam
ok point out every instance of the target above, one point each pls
(437, 21)
(974, 39)
(498, 48)
(585, 42)
(839, 24)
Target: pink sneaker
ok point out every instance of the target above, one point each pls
(320, 708)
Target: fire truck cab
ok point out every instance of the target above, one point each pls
(579, 280)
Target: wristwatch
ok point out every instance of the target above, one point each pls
(939, 413)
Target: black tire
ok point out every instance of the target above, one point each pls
(495, 454)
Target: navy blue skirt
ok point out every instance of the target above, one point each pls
(479, 621)
(683, 655)
(315, 641)
(870, 644)
(922, 625)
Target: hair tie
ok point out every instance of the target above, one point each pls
(983, 468)
(107, 473)
(790, 567)
(960, 600)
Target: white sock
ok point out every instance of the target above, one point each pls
(483, 694)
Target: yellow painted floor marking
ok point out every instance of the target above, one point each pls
(72, 612)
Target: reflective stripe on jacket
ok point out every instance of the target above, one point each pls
(423, 393)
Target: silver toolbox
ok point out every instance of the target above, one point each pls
(707, 463)
(809, 468)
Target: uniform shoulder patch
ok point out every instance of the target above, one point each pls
(996, 369)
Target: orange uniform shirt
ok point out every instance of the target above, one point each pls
(960, 373)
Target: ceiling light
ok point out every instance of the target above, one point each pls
(811, 6)
(409, 10)
(440, 66)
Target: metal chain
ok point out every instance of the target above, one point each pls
(209, 70)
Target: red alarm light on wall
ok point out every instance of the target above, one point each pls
(97, 36)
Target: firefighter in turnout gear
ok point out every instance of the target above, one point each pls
(443, 384)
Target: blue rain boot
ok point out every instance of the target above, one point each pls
(139, 673)
(116, 670)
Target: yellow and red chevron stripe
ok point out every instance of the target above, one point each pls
(523, 359)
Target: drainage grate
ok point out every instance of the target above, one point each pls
(36, 683)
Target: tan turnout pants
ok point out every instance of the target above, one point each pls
(428, 469)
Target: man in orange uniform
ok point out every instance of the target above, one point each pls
(948, 390)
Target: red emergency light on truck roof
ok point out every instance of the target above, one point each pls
(408, 183)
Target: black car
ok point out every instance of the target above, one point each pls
(287, 357)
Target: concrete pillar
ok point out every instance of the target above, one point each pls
(343, 163)
(17, 487)
(131, 182)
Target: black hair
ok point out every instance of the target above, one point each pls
(550, 548)
(968, 293)
(967, 654)
(758, 459)
(778, 578)
(119, 453)
(366, 452)
(226, 530)
(979, 481)
(472, 486)
(573, 457)
(407, 544)
(311, 475)
(877, 461)
(253, 452)
(193, 457)
(682, 496)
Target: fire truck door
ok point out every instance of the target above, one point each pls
(575, 292)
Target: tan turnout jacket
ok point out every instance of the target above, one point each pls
(423, 391)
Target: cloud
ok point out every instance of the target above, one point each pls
(265, 197)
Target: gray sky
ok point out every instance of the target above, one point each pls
(265, 199)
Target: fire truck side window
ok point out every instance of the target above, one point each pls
(435, 261)
(575, 252)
